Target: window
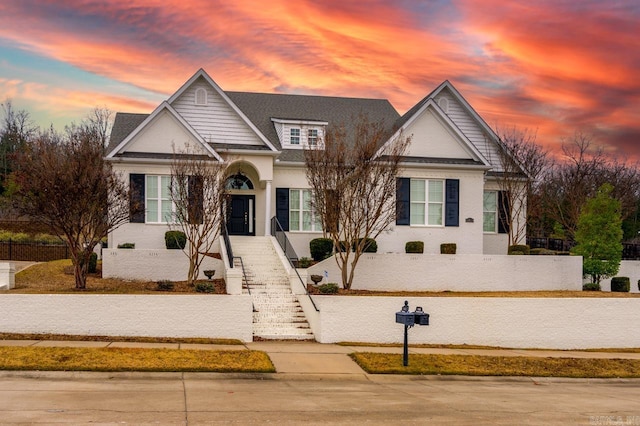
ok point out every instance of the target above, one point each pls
(295, 136)
(301, 217)
(427, 201)
(490, 211)
(312, 137)
(201, 96)
(239, 181)
(158, 204)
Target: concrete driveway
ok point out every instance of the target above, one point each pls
(202, 398)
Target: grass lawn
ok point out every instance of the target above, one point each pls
(57, 277)
(133, 359)
(473, 365)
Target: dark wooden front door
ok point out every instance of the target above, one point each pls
(241, 215)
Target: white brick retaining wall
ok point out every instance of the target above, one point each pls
(213, 316)
(558, 323)
(460, 272)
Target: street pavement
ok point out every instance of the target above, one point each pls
(315, 384)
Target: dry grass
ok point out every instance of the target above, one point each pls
(55, 277)
(133, 359)
(517, 294)
(473, 365)
(75, 338)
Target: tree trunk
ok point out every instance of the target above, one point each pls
(80, 266)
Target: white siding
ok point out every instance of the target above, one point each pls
(216, 121)
(431, 138)
(472, 130)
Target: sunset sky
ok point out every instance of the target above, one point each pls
(556, 66)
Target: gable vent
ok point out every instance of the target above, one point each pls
(201, 96)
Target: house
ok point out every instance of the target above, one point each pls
(448, 186)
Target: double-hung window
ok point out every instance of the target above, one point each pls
(159, 207)
(490, 211)
(294, 136)
(312, 137)
(427, 202)
(301, 215)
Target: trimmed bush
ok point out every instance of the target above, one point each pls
(516, 253)
(370, 245)
(165, 285)
(328, 288)
(541, 252)
(175, 240)
(304, 262)
(205, 287)
(525, 249)
(414, 247)
(321, 248)
(620, 284)
(638, 285)
(591, 287)
(127, 246)
(448, 248)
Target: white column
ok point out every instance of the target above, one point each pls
(267, 209)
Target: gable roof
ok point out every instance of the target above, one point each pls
(261, 108)
(164, 106)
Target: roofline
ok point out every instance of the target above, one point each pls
(440, 115)
(162, 107)
(202, 73)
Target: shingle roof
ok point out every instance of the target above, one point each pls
(123, 124)
(260, 108)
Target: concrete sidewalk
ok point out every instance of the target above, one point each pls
(302, 358)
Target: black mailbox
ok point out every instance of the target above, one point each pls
(406, 318)
(420, 317)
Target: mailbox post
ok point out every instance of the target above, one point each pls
(409, 319)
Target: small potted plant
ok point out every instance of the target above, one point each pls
(209, 273)
(316, 278)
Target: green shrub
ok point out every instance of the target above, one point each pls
(516, 253)
(175, 240)
(591, 287)
(205, 287)
(541, 252)
(321, 248)
(22, 237)
(414, 247)
(304, 262)
(328, 288)
(448, 248)
(620, 284)
(370, 245)
(525, 249)
(165, 285)
(127, 246)
(638, 285)
(93, 263)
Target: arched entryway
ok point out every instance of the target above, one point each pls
(241, 205)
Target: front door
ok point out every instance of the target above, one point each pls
(241, 215)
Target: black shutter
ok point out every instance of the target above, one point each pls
(452, 203)
(196, 199)
(282, 207)
(504, 211)
(403, 200)
(136, 198)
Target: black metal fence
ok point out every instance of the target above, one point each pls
(34, 252)
(629, 251)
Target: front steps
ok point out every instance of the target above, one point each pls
(278, 315)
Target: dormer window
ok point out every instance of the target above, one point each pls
(312, 137)
(201, 96)
(295, 136)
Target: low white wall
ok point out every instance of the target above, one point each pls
(558, 323)
(459, 272)
(628, 268)
(213, 316)
(153, 265)
(7, 275)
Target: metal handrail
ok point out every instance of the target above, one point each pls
(244, 279)
(287, 247)
(227, 243)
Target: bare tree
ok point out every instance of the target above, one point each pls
(65, 183)
(100, 119)
(198, 193)
(353, 182)
(523, 163)
(16, 129)
(584, 169)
